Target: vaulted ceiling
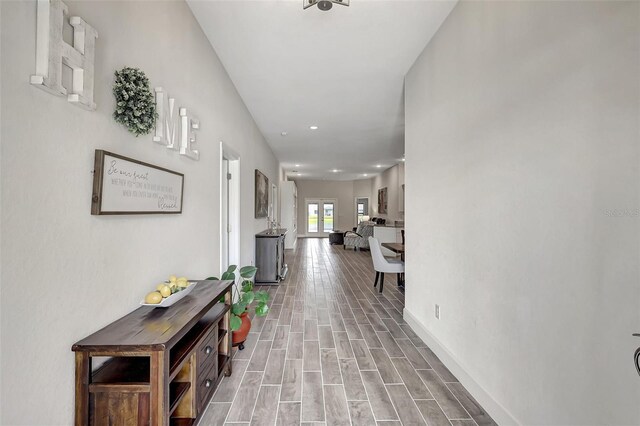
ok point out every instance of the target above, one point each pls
(342, 71)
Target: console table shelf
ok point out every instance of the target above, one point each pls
(163, 363)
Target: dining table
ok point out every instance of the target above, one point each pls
(399, 249)
(395, 247)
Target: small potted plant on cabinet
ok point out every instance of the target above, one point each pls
(245, 296)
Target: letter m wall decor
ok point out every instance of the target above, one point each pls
(52, 52)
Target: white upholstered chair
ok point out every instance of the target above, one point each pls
(358, 239)
(383, 265)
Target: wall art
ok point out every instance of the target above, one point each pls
(123, 185)
(52, 52)
(261, 195)
(168, 122)
(135, 103)
(382, 200)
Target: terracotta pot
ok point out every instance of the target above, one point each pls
(240, 335)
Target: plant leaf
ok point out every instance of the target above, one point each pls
(231, 268)
(262, 309)
(235, 322)
(213, 278)
(247, 297)
(238, 308)
(247, 285)
(262, 296)
(228, 276)
(248, 271)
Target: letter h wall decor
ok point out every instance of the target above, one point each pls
(52, 52)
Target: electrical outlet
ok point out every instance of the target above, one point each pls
(437, 311)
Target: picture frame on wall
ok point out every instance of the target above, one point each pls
(261, 195)
(123, 186)
(382, 200)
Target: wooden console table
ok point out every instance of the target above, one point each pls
(165, 362)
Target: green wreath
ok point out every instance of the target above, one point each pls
(135, 103)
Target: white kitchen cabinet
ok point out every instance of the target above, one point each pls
(387, 234)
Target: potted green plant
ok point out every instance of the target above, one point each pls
(244, 297)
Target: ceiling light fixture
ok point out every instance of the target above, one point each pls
(313, 127)
(299, 174)
(335, 170)
(297, 165)
(365, 175)
(323, 4)
(283, 133)
(378, 165)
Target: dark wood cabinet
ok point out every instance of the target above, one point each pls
(270, 256)
(163, 363)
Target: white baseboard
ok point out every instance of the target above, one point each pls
(493, 407)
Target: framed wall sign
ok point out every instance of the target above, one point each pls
(123, 185)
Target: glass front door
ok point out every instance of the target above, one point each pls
(321, 216)
(312, 218)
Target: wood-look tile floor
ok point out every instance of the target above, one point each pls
(334, 351)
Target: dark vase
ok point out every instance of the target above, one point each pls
(240, 335)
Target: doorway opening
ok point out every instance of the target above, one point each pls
(362, 209)
(321, 217)
(229, 207)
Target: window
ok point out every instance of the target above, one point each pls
(361, 212)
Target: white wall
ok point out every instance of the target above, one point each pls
(341, 191)
(362, 188)
(522, 125)
(391, 178)
(1, 66)
(65, 273)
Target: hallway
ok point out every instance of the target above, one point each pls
(334, 351)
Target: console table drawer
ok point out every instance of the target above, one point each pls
(207, 351)
(206, 384)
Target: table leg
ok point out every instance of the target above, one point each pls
(159, 393)
(83, 371)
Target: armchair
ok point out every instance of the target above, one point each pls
(360, 238)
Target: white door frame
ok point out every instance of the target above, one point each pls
(319, 200)
(275, 203)
(355, 204)
(227, 153)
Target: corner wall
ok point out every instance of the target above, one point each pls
(65, 273)
(392, 179)
(523, 184)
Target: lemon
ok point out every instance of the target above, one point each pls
(183, 284)
(153, 298)
(172, 279)
(182, 279)
(159, 286)
(165, 291)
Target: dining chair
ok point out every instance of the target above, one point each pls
(383, 265)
